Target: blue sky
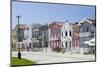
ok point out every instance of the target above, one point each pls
(46, 13)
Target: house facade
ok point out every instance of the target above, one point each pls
(27, 41)
(35, 37)
(54, 35)
(66, 36)
(87, 32)
(71, 37)
(20, 35)
(75, 38)
(60, 36)
(14, 40)
(43, 36)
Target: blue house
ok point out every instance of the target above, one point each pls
(87, 32)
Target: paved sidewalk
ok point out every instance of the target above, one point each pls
(44, 57)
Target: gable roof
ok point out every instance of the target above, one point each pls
(93, 21)
(76, 28)
(36, 26)
(60, 24)
(21, 26)
(89, 20)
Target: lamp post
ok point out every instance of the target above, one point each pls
(18, 34)
(18, 30)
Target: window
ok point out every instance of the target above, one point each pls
(69, 33)
(33, 35)
(66, 44)
(46, 44)
(29, 45)
(66, 33)
(24, 38)
(53, 35)
(39, 33)
(23, 46)
(62, 33)
(50, 35)
(62, 43)
(70, 44)
(87, 29)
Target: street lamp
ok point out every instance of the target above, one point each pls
(18, 30)
(18, 33)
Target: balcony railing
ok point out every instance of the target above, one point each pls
(54, 38)
(85, 34)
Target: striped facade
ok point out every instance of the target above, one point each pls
(54, 31)
(75, 38)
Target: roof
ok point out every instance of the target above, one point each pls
(21, 26)
(90, 20)
(43, 27)
(76, 28)
(36, 26)
(58, 23)
(93, 21)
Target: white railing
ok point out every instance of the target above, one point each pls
(85, 34)
(54, 38)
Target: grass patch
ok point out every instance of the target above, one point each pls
(15, 61)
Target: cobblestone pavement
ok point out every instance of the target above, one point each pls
(45, 57)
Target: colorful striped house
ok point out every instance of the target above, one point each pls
(60, 35)
(54, 35)
(66, 37)
(75, 38)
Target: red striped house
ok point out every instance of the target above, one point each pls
(54, 32)
(75, 37)
(75, 40)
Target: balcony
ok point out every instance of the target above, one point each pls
(85, 34)
(54, 38)
(40, 37)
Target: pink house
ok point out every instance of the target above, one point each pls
(75, 38)
(54, 32)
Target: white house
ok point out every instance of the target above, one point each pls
(66, 39)
(27, 41)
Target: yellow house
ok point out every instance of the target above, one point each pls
(14, 40)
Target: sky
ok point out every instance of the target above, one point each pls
(44, 13)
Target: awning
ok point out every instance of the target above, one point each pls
(86, 42)
(90, 42)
